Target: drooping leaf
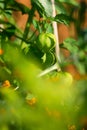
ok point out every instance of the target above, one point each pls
(9, 31)
(72, 2)
(60, 8)
(63, 18)
(45, 6)
(70, 44)
(13, 5)
(48, 59)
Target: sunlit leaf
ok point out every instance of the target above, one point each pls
(45, 6)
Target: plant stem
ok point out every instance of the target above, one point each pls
(48, 70)
(56, 65)
(28, 23)
(55, 27)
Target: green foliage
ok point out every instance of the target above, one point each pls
(70, 44)
(44, 6)
(77, 49)
(46, 42)
(62, 18)
(28, 101)
(72, 2)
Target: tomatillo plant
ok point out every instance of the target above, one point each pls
(30, 81)
(46, 41)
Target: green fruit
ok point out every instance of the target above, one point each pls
(81, 55)
(66, 78)
(49, 60)
(52, 36)
(63, 78)
(46, 41)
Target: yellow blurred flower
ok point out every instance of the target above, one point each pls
(6, 84)
(1, 51)
(32, 101)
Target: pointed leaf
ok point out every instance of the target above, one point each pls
(17, 6)
(62, 18)
(60, 8)
(70, 44)
(44, 6)
(72, 2)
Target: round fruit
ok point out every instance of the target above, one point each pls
(46, 41)
(63, 78)
(52, 36)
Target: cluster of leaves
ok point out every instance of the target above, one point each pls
(78, 47)
(26, 101)
(26, 39)
(29, 102)
(78, 52)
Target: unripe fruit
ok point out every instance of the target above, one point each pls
(63, 78)
(46, 41)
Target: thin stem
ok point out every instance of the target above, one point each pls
(2, 29)
(55, 27)
(56, 65)
(32, 35)
(28, 23)
(48, 70)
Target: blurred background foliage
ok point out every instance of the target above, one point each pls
(56, 100)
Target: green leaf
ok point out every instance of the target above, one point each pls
(60, 8)
(44, 58)
(44, 6)
(29, 96)
(35, 23)
(72, 2)
(48, 59)
(62, 18)
(18, 7)
(47, 6)
(7, 70)
(9, 31)
(70, 44)
(81, 67)
(25, 47)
